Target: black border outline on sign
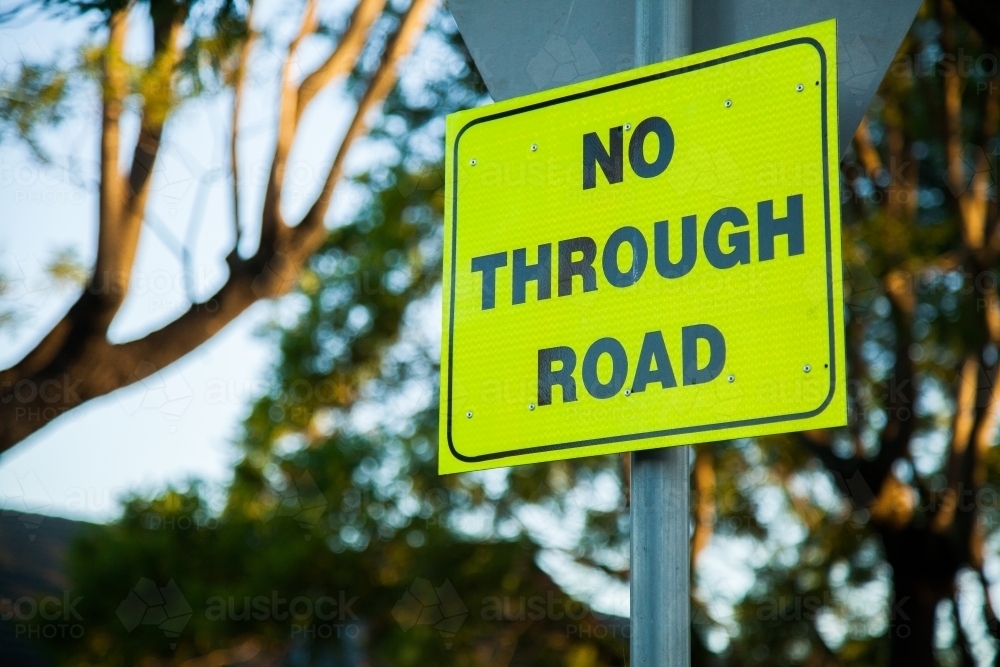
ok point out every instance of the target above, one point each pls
(671, 431)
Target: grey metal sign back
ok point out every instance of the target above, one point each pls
(523, 46)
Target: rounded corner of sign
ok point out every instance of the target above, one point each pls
(454, 450)
(808, 40)
(461, 130)
(816, 44)
(826, 401)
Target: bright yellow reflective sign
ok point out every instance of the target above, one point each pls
(647, 259)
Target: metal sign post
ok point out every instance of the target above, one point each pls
(661, 542)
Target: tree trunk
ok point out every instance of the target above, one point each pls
(923, 574)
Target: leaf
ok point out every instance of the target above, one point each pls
(34, 99)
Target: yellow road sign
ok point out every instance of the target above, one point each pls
(647, 259)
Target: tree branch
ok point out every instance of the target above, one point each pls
(704, 506)
(158, 99)
(970, 191)
(271, 220)
(990, 132)
(239, 75)
(309, 233)
(991, 618)
(865, 150)
(111, 197)
(344, 55)
(902, 393)
(901, 190)
(75, 362)
(112, 194)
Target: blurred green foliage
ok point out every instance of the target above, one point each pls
(335, 495)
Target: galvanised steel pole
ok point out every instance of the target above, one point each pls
(661, 543)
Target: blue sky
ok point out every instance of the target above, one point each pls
(181, 422)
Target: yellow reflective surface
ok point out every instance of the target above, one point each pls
(753, 127)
